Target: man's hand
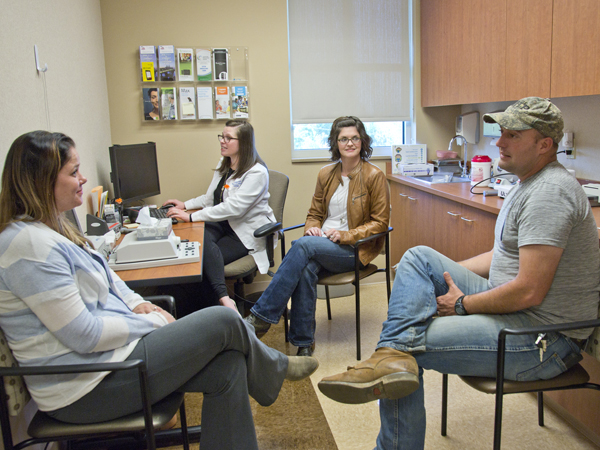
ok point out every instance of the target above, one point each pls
(447, 301)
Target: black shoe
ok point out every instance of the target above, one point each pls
(260, 326)
(306, 351)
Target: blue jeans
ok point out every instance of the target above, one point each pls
(463, 345)
(297, 278)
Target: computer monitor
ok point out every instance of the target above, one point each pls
(134, 171)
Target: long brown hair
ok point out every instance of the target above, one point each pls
(30, 172)
(248, 155)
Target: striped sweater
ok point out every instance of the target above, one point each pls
(61, 304)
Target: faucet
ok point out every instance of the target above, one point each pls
(463, 166)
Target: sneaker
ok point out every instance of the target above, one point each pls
(260, 326)
(388, 373)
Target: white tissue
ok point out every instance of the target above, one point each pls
(144, 218)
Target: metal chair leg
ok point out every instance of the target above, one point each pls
(540, 398)
(328, 302)
(444, 403)
(357, 296)
(285, 324)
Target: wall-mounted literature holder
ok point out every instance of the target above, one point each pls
(194, 83)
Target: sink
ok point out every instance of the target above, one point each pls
(442, 178)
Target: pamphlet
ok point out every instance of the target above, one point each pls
(239, 102)
(220, 63)
(222, 102)
(168, 103)
(408, 154)
(148, 62)
(205, 103)
(188, 103)
(203, 65)
(166, 62)
(185, 64)
(150, 102)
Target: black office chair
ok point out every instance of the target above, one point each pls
(131, 432)
(574, 378)
(244, 269)
(336, 279)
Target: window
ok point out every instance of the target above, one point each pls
(349, 57)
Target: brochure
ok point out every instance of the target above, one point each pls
(148, 62)
(185, 64)
(222, 102)
(150, 98)
(239, 101)
(205, 103)
(188, 103)
(221, 63)
(168, 103)
(166, 63)
(203, 65)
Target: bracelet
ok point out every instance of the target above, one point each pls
(191, 221)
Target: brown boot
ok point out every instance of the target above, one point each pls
(388, 373)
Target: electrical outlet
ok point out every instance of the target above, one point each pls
(570, 152)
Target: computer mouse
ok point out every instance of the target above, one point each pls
(167, 206)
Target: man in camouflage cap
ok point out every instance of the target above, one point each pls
(544, 268)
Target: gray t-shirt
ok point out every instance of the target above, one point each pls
(550, 208)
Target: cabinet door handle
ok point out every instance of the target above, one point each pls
(453, 213)
(403, 195)
(412, 199)
(467, 220)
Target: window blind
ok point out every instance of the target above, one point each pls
(349, 57)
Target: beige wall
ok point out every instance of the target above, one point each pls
(68, 34)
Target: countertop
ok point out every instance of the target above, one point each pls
(460, 192)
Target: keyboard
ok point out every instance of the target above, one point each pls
(159, 213)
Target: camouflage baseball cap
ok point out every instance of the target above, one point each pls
(531, 113)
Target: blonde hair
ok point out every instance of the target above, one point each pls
(30, 172)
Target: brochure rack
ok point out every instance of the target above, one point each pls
(208, 83)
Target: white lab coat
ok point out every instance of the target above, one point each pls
(245, 206)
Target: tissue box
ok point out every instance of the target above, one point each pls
(160, 230)
(415, 170)
(409, 154)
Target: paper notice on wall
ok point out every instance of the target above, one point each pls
(222, 107)
(205, 102)
(203, 64)
(239, 102)
(187, 100)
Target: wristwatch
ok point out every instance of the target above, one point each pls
(459, 308)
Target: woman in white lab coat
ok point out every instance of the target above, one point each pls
(235, 205)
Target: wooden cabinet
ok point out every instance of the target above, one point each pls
(455, 230)
(575, 48)
(412, 219)
(474, 51)
(462, 51)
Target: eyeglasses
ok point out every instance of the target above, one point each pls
(355, 140)
(226, 139)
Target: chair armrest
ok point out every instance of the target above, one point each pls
(370, 238)
(293, 227)
(549, 328)
(267, 229)
(73, 368)
(166, 302)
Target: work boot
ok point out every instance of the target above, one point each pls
(388, 373)
(260, 326)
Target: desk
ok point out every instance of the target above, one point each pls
(166, 275)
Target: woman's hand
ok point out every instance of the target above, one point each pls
(227, 302)
(314, 231)
(447, 301)
(176, 203)
(333, 235)
(184, 216)
(147, 308)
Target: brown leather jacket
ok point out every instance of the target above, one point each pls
(368, 205)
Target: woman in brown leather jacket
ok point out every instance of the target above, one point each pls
(351, 201)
